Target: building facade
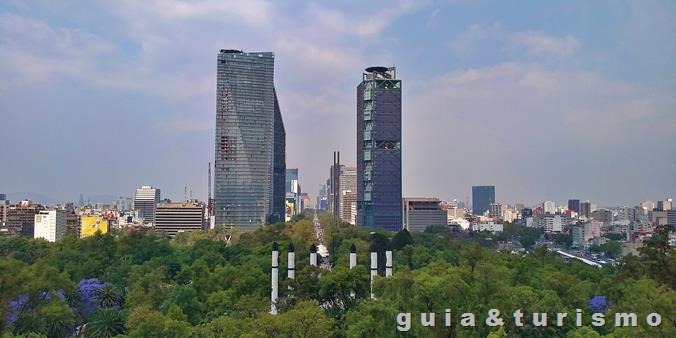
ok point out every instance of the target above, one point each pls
(145, 203)
(419, 213)
(379, 200)
(585, 209)
(482, 197)
(173, 218)
(90, 224)
(21, 219)
(348, 193)
(50, 224)
(250, 163)
(574, 205)
(549, 207)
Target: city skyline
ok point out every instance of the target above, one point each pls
(520, 104)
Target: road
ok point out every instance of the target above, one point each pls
(322, 250)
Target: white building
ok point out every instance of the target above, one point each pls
(453, 213)
(490, 226)
(549, 207)
(509, 215)
(50, 224)
(145, 202)
(461, 222)
(553, 224)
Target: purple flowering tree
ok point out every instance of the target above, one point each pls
(88, 290)
(16, 306)
(598, 304)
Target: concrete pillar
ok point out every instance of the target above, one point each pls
(291, 267)
(388, 260)
(275, 279)
(374, 267)
(353, 256)
(353, 263)
(313, 255)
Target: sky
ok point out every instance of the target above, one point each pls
(546, 100)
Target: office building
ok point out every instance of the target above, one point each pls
(293, 203)
(495, 210)
(50, 224)
(585, 209)
(146, 199)
(603, 215)
(4, 207)
(277, 203)
(664, 205)
(574, 205)
(348, 193)
(250, 163)
(123, 204)
(419, 213)
(576, 232)
(173, 218)
(291, 174)
(73, 223)
(648, 205)
(550, 223)
(21, 219)
(379, 200)
(348, 206)
(671, 218)
(549, 207)
(482, 197)
(333, 186)
(454, 213)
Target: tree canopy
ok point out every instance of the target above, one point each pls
(141, 284)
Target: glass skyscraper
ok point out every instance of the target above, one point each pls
(379, 149)
(250, 163)
(482, 198)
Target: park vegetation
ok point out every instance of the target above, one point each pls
(142, 284)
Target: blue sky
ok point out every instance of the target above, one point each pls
(546, 100)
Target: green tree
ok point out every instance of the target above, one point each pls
(185, 297)
(105, 323)
(401, 239)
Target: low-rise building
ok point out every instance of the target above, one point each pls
(489, 226)
(419, 213)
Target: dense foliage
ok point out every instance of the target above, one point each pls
(197, 285)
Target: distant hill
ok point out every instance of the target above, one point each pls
(44, 199)
(33, 196)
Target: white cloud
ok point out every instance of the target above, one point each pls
(251, 12)
(369, 22)
(541, 44)
(33, 51)
(530, 43)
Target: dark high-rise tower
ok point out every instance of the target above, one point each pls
(482, 198)
(574, 205)
(279, 168)
(249, 167)
(379, 149)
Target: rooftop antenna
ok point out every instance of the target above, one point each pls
(185, 192)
